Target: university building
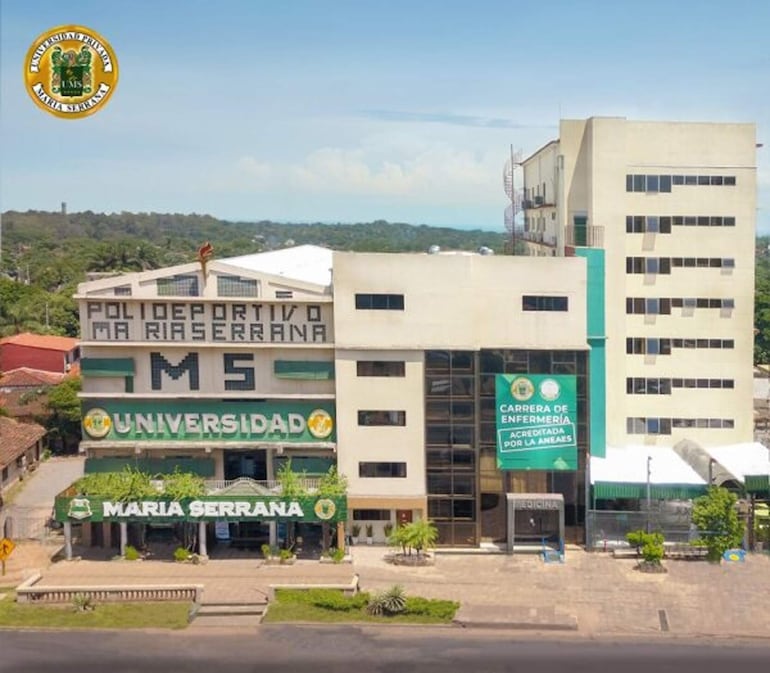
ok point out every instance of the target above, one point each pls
(499, 396)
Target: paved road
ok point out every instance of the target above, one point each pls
(26, 516)
(50, 479)
(283, 648)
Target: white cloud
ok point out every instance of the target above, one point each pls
(418, 171)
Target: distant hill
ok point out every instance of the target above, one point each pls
(185, 232)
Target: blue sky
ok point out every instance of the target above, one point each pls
(354, 111)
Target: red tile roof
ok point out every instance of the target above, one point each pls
(20, 404)
(16, 438)
(26, 377)
(44, 341)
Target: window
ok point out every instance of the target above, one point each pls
(380, 302)
(663, 183)
(544, 303)
(371, 515)
(382, 418)
(648, 426)
(123, 291)
(178, 286)
(284, 294)
(380, 368)
(306, 370)
(235, 286)
(382, 470)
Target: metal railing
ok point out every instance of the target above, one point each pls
(265, 486)
(608, 529)
(588, 236)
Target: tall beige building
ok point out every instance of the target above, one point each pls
(673, 205)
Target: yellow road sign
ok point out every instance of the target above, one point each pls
(6, 547)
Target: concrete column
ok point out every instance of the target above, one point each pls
(341, 535)
(202, 549)
(219, 463)
(68, 540)
(85, 533)
(123, 537)
(273, 532)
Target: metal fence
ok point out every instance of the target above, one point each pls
(607, 529)
(26, 523)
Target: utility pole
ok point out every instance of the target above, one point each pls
(649, 492)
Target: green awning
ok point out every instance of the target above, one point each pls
(203, 467)
(758, 484)
(618, 490)
(107, 366)
(313, 370)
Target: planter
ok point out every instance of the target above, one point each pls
(369, 540)
(277, 561)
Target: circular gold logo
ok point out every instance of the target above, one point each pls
(522, 388)
(324, 509)
(97, 423)
(320, 423)
(70, 71)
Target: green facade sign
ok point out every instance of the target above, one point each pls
(536, 419)
(200, 420)
(323, 509)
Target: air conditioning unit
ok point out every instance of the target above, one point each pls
(538, 200)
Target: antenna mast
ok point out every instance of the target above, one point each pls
(515, 195)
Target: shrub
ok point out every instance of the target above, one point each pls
(181, 554)
(717, 520)
(131, 553)
(83, 602)
(389, 602)
(332, 599)
(650, 545)
(266, 551)
(369, 530)
(356, 529)
(338, 555)
(388, 528)
(285, 555)
(440, 609)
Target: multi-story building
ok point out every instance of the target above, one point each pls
(448, 385)
(227, 370)
(673, 206)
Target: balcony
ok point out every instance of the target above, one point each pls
(584, 236)
(537, 202)
(542, 237)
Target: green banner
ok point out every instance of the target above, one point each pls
(205, 508)
(536, 422)
(199, 420)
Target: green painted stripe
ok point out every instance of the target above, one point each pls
(107, 366)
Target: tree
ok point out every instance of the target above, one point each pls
(418, 535)
(716, 517)
(63, 424)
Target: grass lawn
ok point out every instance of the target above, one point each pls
(314, 606)
(103, 616)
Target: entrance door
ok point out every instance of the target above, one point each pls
(246, 464)
(403, 516)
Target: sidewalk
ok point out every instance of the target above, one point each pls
(601, 595)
